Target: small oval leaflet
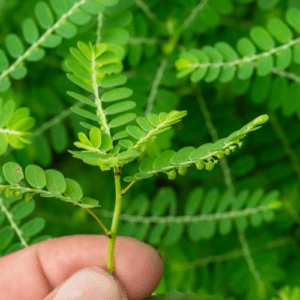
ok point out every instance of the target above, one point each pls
(13, 173)
(73, 189)
(35, 176)
(56, 182)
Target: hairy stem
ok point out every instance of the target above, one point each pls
(13, 223)
(115, 223)
(98, 101)
(42, 38)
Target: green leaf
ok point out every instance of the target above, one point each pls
(146, 165)
(201, 152)
(80, 17)
(3, 143)
(22, 210)
(30, 31)
(6, 236)
(144, 123)
(135, 131)
(182, 155)
(13, 172)
(19, 72)
(280, 31)
(215, 57)
(17, 115)
(112, 80)
(163, 160)
(6, 112)
(33, 227)
(14, 45)
(293, 18)
(43, 14)
(4, 63)
(56, 182)
(36, 176)
(262, 38)
(106, 142)
(265, 65)
(52, 41)
(89, 201)
(84, 113)
(73, 189)
(95, 137)
(116, 94)
(120, 107)
(82, 98)
(246, 47)
(121, 120)
(126, 143)
(67, 30)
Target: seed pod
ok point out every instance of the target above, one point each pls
(172, 174)
(18, 195)
(8, 193)
(209, 166)
(219, 154)
(227, 151)
(182, 170)
(200, 165)
(28, 197)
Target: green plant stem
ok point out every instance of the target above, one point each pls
(115, 223)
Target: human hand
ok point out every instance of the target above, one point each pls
(73, 267)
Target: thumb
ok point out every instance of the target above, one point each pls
(90, 283)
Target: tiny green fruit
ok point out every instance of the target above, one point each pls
(172, 174)
(209, 166)
(182, 170)
(200, 165)
(8, 193)
(28, 197)
(18, 195)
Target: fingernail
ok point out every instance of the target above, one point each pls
(90, 284)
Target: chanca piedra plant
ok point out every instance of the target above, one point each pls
(136, 94)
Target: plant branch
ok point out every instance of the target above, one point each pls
(98, 220)
(99, 26)
(229, 183)
(189, 219)
(236, 254)
(155, 85)
(65, 113)
(248, 59)
(191, 17)
(42, 38)
(13, 223)
(98, 101)
(115, 222)
(285, 143)
(127, 188)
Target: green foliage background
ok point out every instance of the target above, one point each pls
(252, 255)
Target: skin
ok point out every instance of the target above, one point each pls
(37, 271)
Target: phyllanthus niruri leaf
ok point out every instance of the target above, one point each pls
(69, 16)
(35, 176)
(54, 181)
(206, 155)
(14, 126)
(13, 173)
(222, 61)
